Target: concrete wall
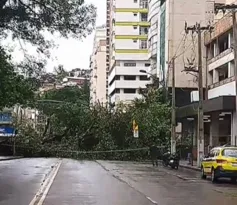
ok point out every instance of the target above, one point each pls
(181, 11)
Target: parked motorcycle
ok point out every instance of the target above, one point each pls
(171, 160)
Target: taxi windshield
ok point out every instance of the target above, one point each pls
(230, 152)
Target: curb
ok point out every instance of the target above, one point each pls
(181, 165)
(189, 167)
(10, 158)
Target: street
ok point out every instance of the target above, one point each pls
(48, 181)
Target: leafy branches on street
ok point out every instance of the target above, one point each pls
(77, 126)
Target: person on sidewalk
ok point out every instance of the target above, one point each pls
(154, 155)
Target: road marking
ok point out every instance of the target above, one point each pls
(150, 199)
(43, 191)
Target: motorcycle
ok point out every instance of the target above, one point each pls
(170, 160)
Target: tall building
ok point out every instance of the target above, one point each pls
(98, 67)
(219, 107)
(167, 39)
(153, 34)
(128, 50)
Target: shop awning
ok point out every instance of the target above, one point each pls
(222, 103)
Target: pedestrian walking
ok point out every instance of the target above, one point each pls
(154, 155)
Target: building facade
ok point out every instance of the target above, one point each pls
(129, 34)
(220, 120)
(154, 35)
(98, 67)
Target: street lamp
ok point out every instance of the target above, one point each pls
(154, 77)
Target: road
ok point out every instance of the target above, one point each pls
(44, 181)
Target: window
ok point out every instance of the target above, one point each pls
(217, 152)
(129, 77)
(143, 44)
(129, 91)
(147, 64)
(143, 77)
(117, 90)
(229, 152)
(129, 64)
(212, 153)
(144, 17)
(134, 14)
(134, 27)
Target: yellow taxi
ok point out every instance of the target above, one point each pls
(220, 162)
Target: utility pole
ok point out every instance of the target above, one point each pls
(232, 8)
(173, 123)
(198, 29)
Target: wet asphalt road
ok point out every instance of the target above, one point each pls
(20, 179)
(109, 183)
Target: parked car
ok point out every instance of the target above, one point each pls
(220, 162)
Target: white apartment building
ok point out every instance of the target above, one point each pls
(98, 67)
(129, 50)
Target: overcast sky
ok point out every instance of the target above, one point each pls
(73, 53)
(70, 53)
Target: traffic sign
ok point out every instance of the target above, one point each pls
(135, 133)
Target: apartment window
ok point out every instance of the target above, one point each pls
(223, 42)
(144, 17)
(129, 91)
(143, 44)
(134, 41)
(143, 30)
(147, 64)
(143, 78)
(144, 4)
(129, 77)
(134, 14)
(223, 72)
(129, 64)
(117, 90)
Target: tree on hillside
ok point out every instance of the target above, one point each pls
(60, 72)
(14, 88)
(27, 20)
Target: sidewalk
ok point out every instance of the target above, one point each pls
(184, 164)
(4, 158)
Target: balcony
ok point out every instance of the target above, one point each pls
(223, 82)
(221, 55)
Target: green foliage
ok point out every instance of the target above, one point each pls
(28, 20)
(14, 88)
(75, 126)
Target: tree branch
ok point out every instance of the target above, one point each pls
(2, 4)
